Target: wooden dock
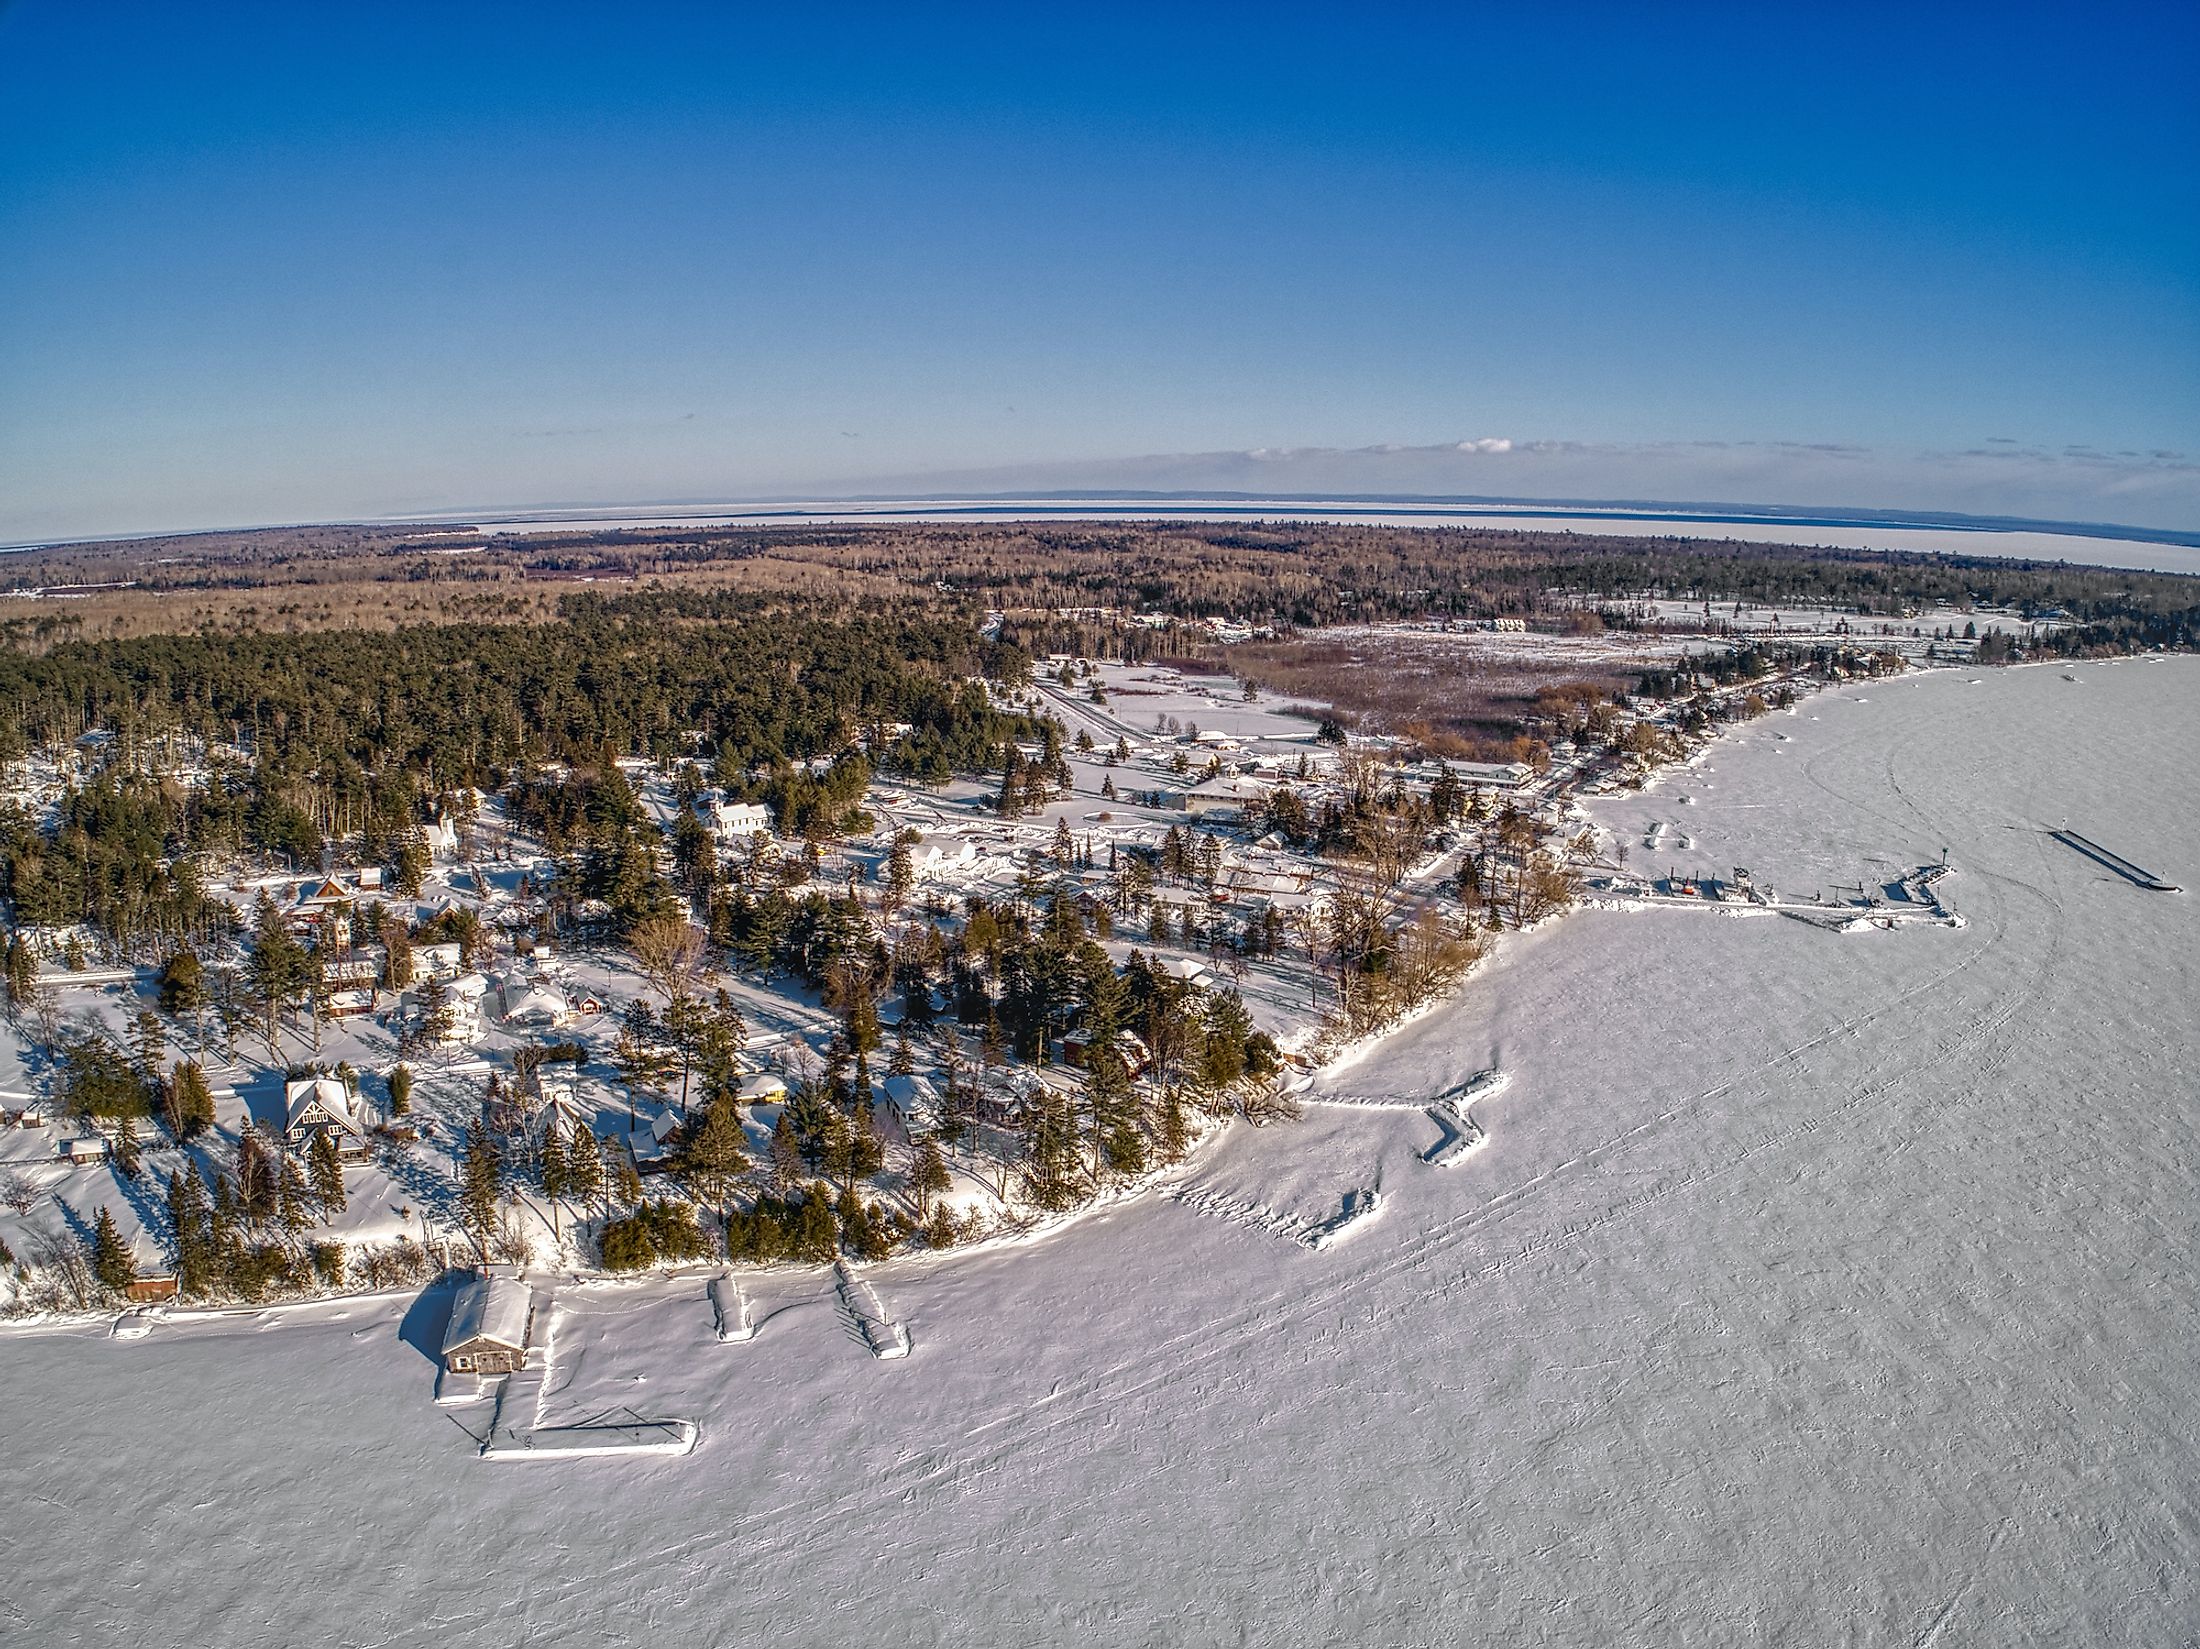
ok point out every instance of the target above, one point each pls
(2114, 861)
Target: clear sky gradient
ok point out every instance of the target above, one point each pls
(331, 261)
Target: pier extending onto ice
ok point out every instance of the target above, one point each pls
(2114, 861)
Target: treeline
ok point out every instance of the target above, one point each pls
(1301, 574)
(278, 744)
(465, 704)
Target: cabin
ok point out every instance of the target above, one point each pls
(77, 1153)
(156, 1289)
(1183, 970)
(1129, 1047)
(764, 1088)
(317, 1105)
(490, 1320)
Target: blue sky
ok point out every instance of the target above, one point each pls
(331, 261)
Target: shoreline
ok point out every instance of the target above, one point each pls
(1042, 1227)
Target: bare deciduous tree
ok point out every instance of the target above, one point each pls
(669, 951)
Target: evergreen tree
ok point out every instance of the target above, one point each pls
(481, 1190)
(111, 1261)
(293, 1195)
(187, 1215)
(865, 1155)
(401, 1090)
(715, 1157)
(817, 1234)
(1228, 1028)
(182, 982)
(192, 1105)
(556, 1175)
(786, 1162)
(326, 1170)
(22, 974)
(625, 1178)
(928, 1176)
(1175, 1135)
(1051, 1177)
(437, 1018)
(584, 1168)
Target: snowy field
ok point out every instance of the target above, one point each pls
(1809, 1287)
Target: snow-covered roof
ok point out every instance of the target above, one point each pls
(910, 1092)
(763, 1085)
(537, 1002)
(331, 1095)
(489, 1308)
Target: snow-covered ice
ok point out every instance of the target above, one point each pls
(1810, 1287)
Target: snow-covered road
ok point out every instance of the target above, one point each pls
(1810, 1287)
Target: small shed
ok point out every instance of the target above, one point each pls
(489, 1324)
(762, 1088)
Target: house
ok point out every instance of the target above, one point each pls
(938, 855)
(652, 1144)
(316, 1105)
(360, 970)
(534, 1002)
(1493, 775)
(156, 1289)
(488, 1329)
(439, 961)
(912, 1098)
(733, 821)
(79, 1152)
(320, 893)
(1223, 798)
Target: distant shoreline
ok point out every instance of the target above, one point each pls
(1892, 531)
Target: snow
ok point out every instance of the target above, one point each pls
(488, 1308)
(1808, 1287)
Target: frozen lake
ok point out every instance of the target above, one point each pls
(1810, 1288)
